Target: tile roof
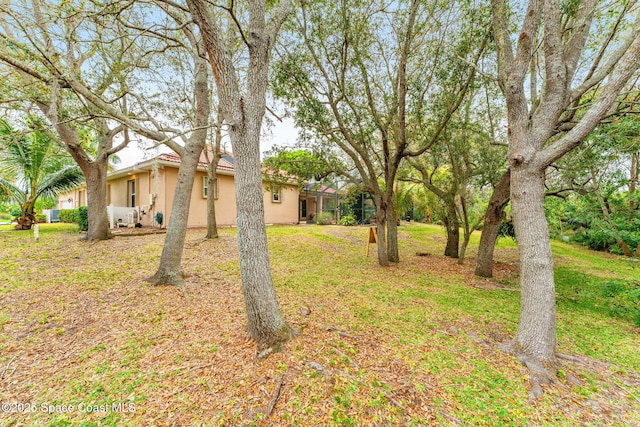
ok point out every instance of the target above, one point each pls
(225, 163)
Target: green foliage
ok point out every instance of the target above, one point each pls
(348, 220)
(83, 218)
(580, 218)
(507, 230)
(299, 165)
(603, 211)
(158, 218)
(41, 218)
(614, 297)
(33, 167)
(324, 218)
(69, 216)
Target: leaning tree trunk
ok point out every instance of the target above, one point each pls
(170, 269)
(463, 248)
(452, 225)
(535, 341)
(493, 219)
(95, 175)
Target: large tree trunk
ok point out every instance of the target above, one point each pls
(266, 323)
(452, 225)
(381, 228)
(94, 170)
(95, 175)
(244, 114)
(392, 229)
(535, 342)
(493, 219)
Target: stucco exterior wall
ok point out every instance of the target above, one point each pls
(285, 211)
(162, 181)
(73, 199)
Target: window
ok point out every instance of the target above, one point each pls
(131, 190)
(276, 196)
(205, 187)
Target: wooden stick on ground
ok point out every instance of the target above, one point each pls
(274, 398)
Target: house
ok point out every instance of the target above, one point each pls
(137, 193)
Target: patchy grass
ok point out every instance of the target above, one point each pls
(413, 344)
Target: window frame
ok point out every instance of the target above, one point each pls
(205, 188)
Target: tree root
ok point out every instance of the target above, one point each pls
(167, 278)
(540, 372)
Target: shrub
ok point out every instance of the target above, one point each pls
(68, 216)
(348, 220)
(596, 239)
(41, 218)
(16, 212)
(324, 218)
(83, 218)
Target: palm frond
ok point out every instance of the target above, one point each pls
(61, 181)
(9, 192)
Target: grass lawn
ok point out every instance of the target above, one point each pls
(85, 341)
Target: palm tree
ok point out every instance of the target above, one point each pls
(33, 165)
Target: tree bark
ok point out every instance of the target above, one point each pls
(535, 342)
(392, 229)
(244, 115)
(493, 219)
(381, 228)
(94, 171)
(170, 269)
(452, 225)
(266, 323)
(95, 175)
(532, 146)
(212, 225)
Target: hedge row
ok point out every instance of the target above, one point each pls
(75, 216)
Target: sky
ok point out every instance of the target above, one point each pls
(282, 133)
